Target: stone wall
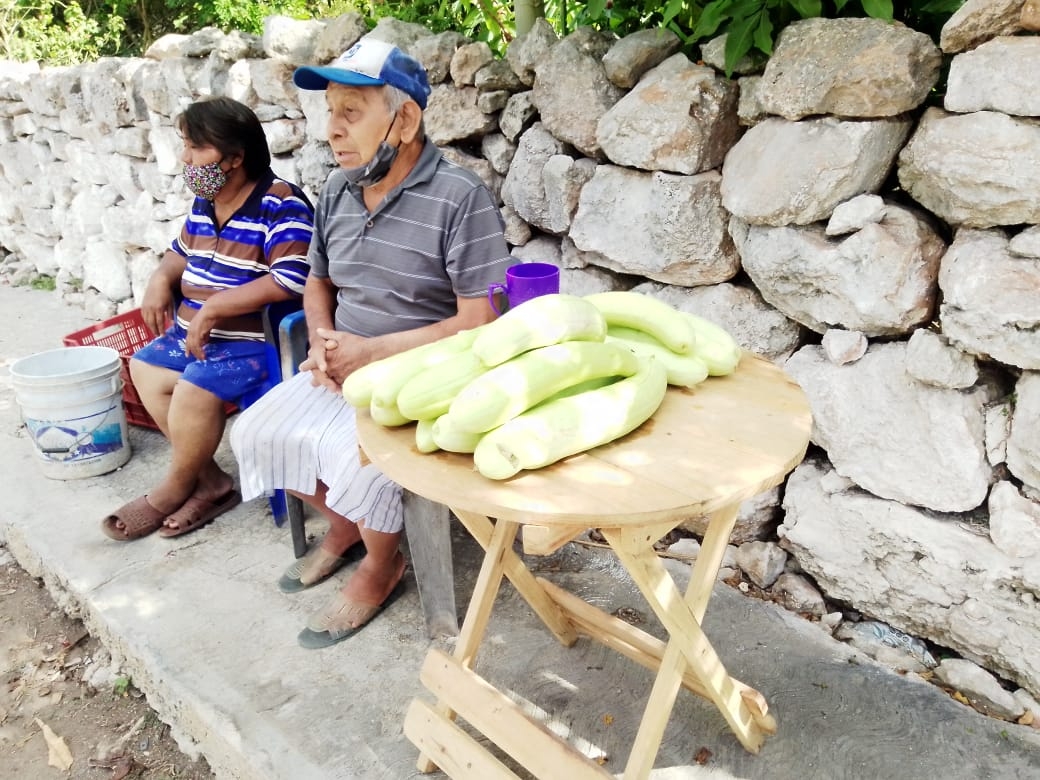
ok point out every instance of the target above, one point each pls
(832, 213)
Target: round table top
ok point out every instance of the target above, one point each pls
(707, 447)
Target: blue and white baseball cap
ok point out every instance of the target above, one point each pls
(370, 63)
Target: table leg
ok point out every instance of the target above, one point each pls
(497, 540)
(687, 647)
(483, 530)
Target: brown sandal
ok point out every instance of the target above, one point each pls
(197, 512)
(139, 518)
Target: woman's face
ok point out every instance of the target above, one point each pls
(199, 154)
(358, 122)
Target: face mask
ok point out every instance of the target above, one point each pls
(205, 180)
(376, 169)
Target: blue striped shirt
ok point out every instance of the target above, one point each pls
(269, 234)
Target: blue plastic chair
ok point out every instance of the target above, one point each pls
(286, 347)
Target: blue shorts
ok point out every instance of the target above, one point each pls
(231, 368)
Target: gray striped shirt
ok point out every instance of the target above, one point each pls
(435, 237)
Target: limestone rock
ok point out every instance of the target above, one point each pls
(572, 92)
(1014, 521)
(681, 118)
(991, 298)
(635, 54)
(855, 214)
(659, 225)
(518, 115)
(981, 688)
(1026, 243)
(452, 115)
(894, 436)
(524, 187)
(851, 68)
(977, 21)
(1023, 446)
(843, 346)
(931, 359)
(435, 52)
(292, 40)
(782, 173)
(999, 75)
(467, 60)
(336, 36)
(798, 594)
(974, 170)
(822, 282)
(918, 571)
(762, 562)
(525, 52)
(713, 53)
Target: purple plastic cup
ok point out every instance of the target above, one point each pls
(524, 282)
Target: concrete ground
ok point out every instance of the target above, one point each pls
(200, 626)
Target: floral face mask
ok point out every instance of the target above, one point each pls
(205, 180)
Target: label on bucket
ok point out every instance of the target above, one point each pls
(93, 436)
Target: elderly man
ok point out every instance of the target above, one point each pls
(405, 246)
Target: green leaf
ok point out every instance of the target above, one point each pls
(764, 35)
(807, 9)
(672, 10)
(878, 9)
(595, 8)
(739, 39)
(711, 18)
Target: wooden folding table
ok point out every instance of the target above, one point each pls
(703, 452)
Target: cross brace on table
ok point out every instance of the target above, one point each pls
(686, 660)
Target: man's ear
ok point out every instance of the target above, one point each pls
(411, 120)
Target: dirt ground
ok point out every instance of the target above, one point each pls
(64, 711)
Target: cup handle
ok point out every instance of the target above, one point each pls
(492, 289)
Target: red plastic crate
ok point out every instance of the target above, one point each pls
(126, 334)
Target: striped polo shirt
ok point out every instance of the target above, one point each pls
(268, 234)
(436, 236)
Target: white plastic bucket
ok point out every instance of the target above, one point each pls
(71, 402)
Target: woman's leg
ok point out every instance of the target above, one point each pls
(193, 420)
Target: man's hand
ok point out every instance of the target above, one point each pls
(335, 355)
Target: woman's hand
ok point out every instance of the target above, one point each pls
(157, 305)
(199, 329)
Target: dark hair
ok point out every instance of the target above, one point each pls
(230, 127)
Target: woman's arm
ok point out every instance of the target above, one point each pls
(157, 305)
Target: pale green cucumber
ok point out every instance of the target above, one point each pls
(424, 437)
(429, 394)
(643, 312)
(683, 370)
(518, 384)
(450, 438)
(388, 375)
(539, 322)
(388, 416)
(566, 426)
(715, 346)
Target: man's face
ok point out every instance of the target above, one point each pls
(358, 122)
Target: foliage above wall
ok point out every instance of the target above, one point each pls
(62, 32)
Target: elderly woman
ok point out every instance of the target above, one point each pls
(243, 245)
